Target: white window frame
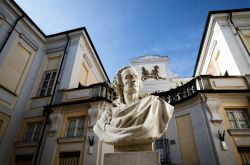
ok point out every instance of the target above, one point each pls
(50, 83)
(33, 134)
(76, 127)
(237, 121)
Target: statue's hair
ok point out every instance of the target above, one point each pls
(118, 84)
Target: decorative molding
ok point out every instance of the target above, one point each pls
(239, 132)
(95, 111)
(55, 119)
(53, 50)
(70, 139)
(27, 41)
(213, 106)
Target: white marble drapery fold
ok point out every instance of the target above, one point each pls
(142, 121)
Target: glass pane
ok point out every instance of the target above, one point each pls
(230, 115)
(42, 92)
(47, 76)
(51, 83)
(54, 75)
(71, 127)
(37, 131)
(48, 92)
(233, 124)
(243, 124)
(45, 84)
(239, 115)
(80, 129)
(29, 132)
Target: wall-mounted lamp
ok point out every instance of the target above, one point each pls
(222, 140)
(91, 144)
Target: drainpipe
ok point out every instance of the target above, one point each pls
(237, 31)
(10, 32)
(47, 110)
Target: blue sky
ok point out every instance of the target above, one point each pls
(121, 30)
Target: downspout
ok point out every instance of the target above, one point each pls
(10, 32)
(237, 31)
(47, 110)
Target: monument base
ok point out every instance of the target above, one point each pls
(132, 158)
(134, 147)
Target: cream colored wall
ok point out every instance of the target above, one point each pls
(91, 79)
(15, 67)
(186, 140)
(221, 62)
(87, 75)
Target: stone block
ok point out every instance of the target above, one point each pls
(132, 158)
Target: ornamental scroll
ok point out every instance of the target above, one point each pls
(154, 74)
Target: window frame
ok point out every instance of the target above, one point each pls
(24, 159)
(49, 85)
(76, 127)
(233, 111)
(35, 134)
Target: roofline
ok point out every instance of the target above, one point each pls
(62, 33)
(92, 45)
(206, 29)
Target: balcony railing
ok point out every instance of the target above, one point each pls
(205, 83)
(94, 91)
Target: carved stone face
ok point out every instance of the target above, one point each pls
(131, 81)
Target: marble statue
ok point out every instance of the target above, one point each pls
(134, 118)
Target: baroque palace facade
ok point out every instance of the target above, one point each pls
(53, 86)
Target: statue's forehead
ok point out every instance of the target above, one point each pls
(128, 71)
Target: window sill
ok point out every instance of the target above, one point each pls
(70, 139)
(239, 132)
(26, 144)
(39, 97)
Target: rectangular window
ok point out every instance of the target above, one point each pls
(32, 132)
(1, 123)
(24, 159)
(47, 83)
(75, 127)
(161, 146)
(238, 118)
(244, 154)
(69, 158)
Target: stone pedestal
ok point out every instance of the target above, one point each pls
(132, 158)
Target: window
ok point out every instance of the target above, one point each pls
(47, 83)
(75, 127)
(69, 158)
(238, 118)
(161, 146)
(1, 123)
(32, 132)
(244, 154)
(24, 159)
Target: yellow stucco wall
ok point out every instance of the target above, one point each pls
(233, 105)
(186, 139)
(15, 67)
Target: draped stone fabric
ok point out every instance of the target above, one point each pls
(142, 121)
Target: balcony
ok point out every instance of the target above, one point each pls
(205, 84)
(93, 92)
